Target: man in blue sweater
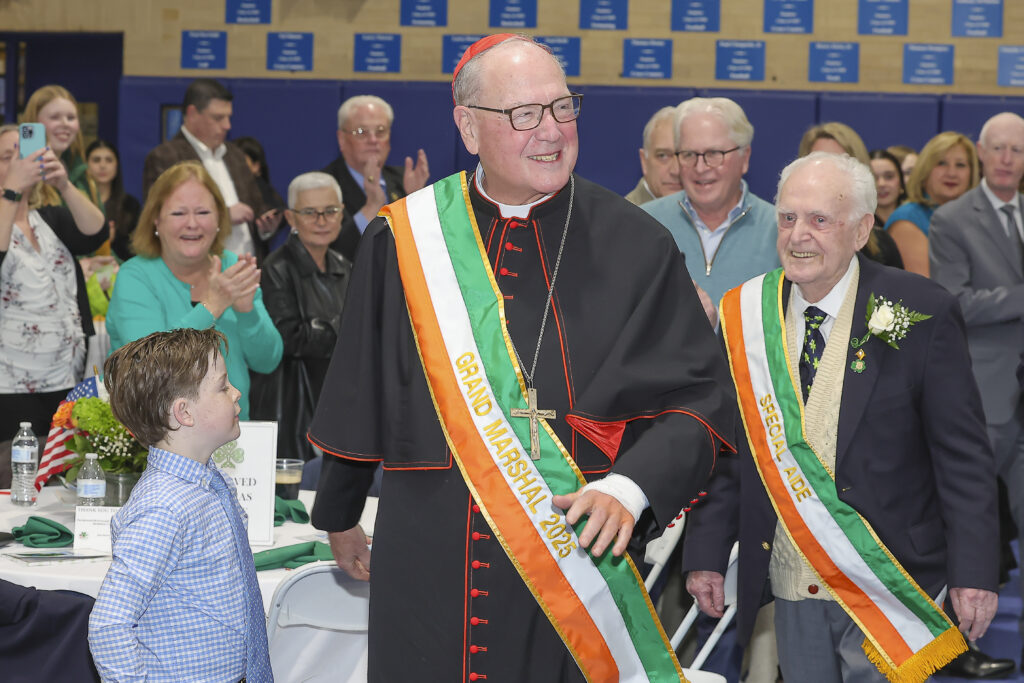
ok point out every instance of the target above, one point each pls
(726, 232)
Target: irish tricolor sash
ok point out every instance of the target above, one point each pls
(906, 635)
(598, 607)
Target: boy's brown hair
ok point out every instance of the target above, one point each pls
(145, 376)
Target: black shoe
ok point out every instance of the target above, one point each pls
(976, 664)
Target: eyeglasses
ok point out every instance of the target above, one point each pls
(380, 132)
(314, 215)
(713, 157)
(529, 116)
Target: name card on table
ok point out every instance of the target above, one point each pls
(250, 461)
(92, 527)
(566, 50)
(882, 17)
(925, 64)
(204, 49)
(739, 60)
(452, 49)
(696, 15)
(424, 13)
(789, 16)
(646, 58)
(834, 63)
(513, 14)
(289, 52)
(1011, 65)
(978, 18)
(378, 52)
(247, 12)
(608, 15)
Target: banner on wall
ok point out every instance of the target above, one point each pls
(378, 53)
(452, 48)
(696, 15)
(739, 60)
(204, 49)
(247, 11)
(424, 13)
(513, 14)
(925, 64)
(789, 16)
(834, 63)
(605, 15)
(977, 18)
(1011, 65)
(289, 52)
(566, 49)
(646, 58)
(882, 17)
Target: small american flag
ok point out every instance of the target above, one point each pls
(56, 457)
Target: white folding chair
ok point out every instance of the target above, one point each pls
(730, 612)
(660, 549)
(697, 676)
(317, 626)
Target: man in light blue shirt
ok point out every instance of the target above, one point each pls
(726, 232)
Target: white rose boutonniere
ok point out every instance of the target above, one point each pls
(889, 321)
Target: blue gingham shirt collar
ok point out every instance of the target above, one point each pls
(183, 467)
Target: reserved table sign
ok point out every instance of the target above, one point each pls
(249, 461)
(92, 527)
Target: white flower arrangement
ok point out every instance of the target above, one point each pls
(889, 321)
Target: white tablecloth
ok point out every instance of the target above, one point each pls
(86, 576)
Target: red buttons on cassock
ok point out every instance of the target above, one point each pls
(702, 494)
(508, 246)
(694, 501)
(473, 649)
(476, 621)
(476, 564)
(812, 589)
(476, 508)
(474, 592)
(476, 535)
(503, 271)
(513, 224)
(687, 509)
(476, 677)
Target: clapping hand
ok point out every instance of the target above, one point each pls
(415, 177)
(240, 213)
(375, 197)
(233, 287)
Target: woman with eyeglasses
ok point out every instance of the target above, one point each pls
(304, 284)
(183, 276)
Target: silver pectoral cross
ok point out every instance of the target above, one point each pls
(533, 414)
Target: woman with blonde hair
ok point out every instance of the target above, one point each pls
(834, 137)
(945, 169)
(56, 108)
(183, 277)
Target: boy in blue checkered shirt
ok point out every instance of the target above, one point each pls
(172, 607)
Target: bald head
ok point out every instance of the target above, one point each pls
(1001, 152)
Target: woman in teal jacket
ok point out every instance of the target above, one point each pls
(183, 277)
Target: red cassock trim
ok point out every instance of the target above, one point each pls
(607, 435)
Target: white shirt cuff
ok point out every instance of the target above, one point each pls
(622, 489)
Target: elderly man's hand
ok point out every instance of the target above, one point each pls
(708, 589)
(974, 608)
(240, 213)
(351, 552)
(709, 306)
(415, 177)
(608, 520)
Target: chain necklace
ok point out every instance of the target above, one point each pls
(533, 412)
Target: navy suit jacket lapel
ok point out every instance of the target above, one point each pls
(858, 387)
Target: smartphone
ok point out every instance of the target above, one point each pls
(31, 139)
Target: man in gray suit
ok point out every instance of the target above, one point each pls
(976, 249)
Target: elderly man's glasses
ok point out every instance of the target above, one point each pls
(713, 157)
(380, 132)
(529, 116)
(313, 215)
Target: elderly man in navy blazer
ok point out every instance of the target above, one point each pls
(867, 482)
(975, 250)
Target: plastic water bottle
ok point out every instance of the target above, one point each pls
(91, 484)
(24, 461)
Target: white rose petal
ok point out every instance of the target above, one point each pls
(882, 320)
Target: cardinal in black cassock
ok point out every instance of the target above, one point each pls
(630, 365)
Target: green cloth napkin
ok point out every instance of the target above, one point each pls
(289, 509)
(40, 532)
(292, 556)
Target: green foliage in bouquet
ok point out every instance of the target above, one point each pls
(96, 430)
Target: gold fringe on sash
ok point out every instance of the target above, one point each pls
(946, 647)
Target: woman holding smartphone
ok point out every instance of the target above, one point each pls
(44, 313)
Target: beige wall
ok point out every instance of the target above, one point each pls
(153, 29)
